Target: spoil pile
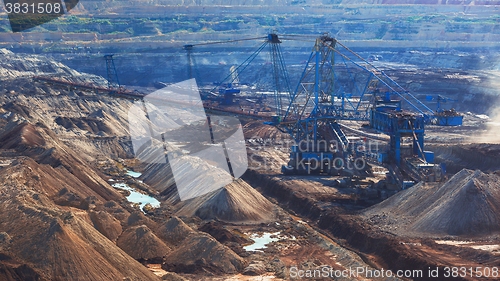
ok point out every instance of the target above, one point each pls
(467, 205)
(71, 246)
(16, 135)
(66, 168)
(106, 224)
(196, 251)
(223, 235)
(142, 244)
(235, 202)
(174, 230)
(15, 66)
(202, 253)
(194, 175)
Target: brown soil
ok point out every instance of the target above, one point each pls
(142, 244)
(93, 125)
(202, 253)
(106, 224)
(14, 271)
(222, 234)
(24, 134)
(174, 231)
(65, 169)
(71, 246)
(61, 220)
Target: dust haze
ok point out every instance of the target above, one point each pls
(492, 127)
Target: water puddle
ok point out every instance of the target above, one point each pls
(133, 174)
(262, 239)
(137, 197)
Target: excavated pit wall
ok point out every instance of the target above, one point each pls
(469, 156)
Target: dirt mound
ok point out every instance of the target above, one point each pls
(66, 167)
(71, 247)
(93, 125)
(236, 202)
(17, 135)
(116, 211)
(196, 251)
(137, 217)
(142, 244)
(106, 224)
(219, 232)
(202, 253)
(14, 66)
(466, 205)
(195, 176)
(57, 182)
(174, 231)
(161, 178)
(68, 198)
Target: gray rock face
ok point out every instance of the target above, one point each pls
(16, 66)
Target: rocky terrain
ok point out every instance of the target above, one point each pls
(61, 219)
(68, 174)
(65, 153)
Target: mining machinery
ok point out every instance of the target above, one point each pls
(338, 84)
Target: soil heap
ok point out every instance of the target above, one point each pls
(196, 251)
(235, 202)
(56, 243)
(468, 204)
(142, 244)
(202, 253)
(174, 230)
